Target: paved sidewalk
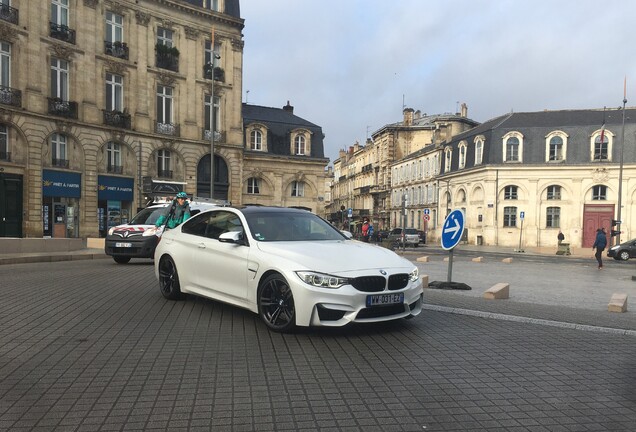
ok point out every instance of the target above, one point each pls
(34, 257)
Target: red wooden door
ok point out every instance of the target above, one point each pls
(596, 216)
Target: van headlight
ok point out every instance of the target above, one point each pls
(322, 280)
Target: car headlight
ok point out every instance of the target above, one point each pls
(150, 232)
(111, 231)
(615, 247)
(415, 273)
(322, 280)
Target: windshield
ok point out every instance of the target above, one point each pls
(410, 231)
(147, 216)
(287, 226)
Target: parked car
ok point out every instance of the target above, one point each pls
(422, 236)
(289, 266)
(623, 251)
(410, 236)
(139, 237)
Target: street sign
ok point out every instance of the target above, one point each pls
(427, 217)
(452, 229)
(522, 215)
(427, 211)
(350, 213)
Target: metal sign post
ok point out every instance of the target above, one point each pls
(452, 232)
(521, 216)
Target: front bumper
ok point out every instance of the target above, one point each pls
(133, 247)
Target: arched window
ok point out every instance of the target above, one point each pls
(512, 149)
(299, 145)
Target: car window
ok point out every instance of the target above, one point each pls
(410, 231)
(286, 226)
(220, 222)
(196, 225)
(396, 231)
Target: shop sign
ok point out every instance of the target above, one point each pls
(61, 184)
(115, 188)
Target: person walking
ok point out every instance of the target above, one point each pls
(365, 231)
(560, 237)
(599, 245)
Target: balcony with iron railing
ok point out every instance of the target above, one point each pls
(219, 74)
(62, 32)
(164, 174)
(10, 96)
(117, 119)
(115, 169)
(9, 14)
(62, 108)
(367, 168)
(218, 136)
(116, 49)
(5, 156)
(62, 163)
(167, 128)
(167, 57)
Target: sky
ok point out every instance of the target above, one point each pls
(352, 66)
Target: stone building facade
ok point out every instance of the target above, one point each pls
(105, 104)
(363, 173)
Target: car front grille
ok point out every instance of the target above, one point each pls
(369, 283)
(398, 281)
(379, 283)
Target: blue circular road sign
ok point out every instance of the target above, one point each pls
(452, 229)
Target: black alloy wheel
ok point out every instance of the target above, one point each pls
(276, 304)
(169, 279)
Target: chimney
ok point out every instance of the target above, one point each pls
(288, 108)
(342, 153)
(464, 112)
(408, 116)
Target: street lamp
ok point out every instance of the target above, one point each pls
(213, 116)
(620, 169)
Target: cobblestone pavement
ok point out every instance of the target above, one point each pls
(92, 345)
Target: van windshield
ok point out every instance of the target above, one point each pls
(147, 216)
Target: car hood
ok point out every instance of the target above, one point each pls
(335, 256)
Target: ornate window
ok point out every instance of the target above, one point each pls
(511, 193)
(5, 64)
(253, 185)
(113, 156)
(256, 140)
(448, 154)
(58, 150)
(599, 193)
(553, 192)
(114, 27)
(553, 217)
(59, 78)
(164, 104)
(479, 150)
(510, 217)
(114, 92)
(5, 153)
(297, 189)
(299, 145)
(163, 163)
(209, 113)
(556, 146)
(462, 154)
(601, 150)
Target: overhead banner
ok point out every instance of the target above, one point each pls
(115, 188)
(61, 184)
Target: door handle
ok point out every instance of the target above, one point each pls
(201, 245)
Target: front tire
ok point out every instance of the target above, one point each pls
(276, 304)
(623, 255)
(121, 259)
(169, 279)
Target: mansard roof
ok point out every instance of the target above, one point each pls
(577, 125)
(280, 122)
(232, 7)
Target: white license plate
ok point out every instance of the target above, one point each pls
(123, 244)
(384, 299)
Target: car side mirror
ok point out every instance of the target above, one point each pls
(235, 237)
(347, 234)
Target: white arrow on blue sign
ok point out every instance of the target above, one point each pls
(452, 229)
